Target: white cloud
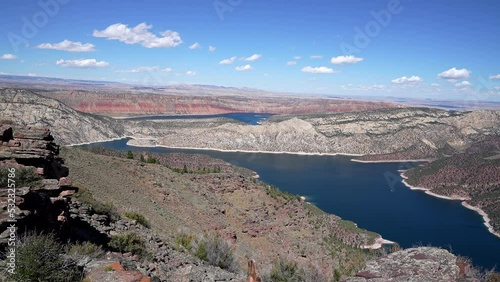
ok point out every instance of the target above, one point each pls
(455, 73)
(69, 46)
(212, 48)
(147, 69)
(345, 60)
(8, 57)
(191, 73)
(463, 84)
(309, 69)
(353, 87)
(495, 77)
(252, 58)
(435, 84)
(82, 63)
(244, 68)
(375, 86)
(316, 57)
(32, 74)
(195, 46)
(404, 79)
(297, 57)
(140, 34)
(291, 63)
(228, 61)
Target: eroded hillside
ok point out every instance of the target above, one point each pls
(26, 108)
(259, 221)
(416, 133)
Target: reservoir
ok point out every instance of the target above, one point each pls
(372, 195)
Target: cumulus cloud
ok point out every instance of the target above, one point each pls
(345, 60)
(495, 77)
(455, 73)
(67, 45)
(211, 48)
(244, 68)
(309, 69)
(464, 83)
(297, 57)
(228, 61)
(147, 69)
(316, 57)
(8, 57)
(140, 34)
(404, 79)
(252, 58)
(191, 73)
(435, 84)
(82, 63)
(291, 63)
(195, 46)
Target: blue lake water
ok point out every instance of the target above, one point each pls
(249, 118)
(372, 195)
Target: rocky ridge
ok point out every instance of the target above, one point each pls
(424, 132)
(22, 107)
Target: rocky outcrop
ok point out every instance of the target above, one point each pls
(22, 107)
(30, 157)
(415, 264)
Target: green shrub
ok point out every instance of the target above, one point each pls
(41, 258)
(201, 251)
(130, 242)
(218, 253)
(130, 155)
(184, 240)
(139, 218)
(151, 160)
(85, 249)
(284, 271)
(85, 197)
(23, 177)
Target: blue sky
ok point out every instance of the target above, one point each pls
(445, 49)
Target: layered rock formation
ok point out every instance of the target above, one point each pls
(26, 108)
(30, 157)
(415, 133)
(194, 103)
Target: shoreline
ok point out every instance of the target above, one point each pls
(483, 214)
(392, 161)
(238, 151)
(99, 141)
(379, 242)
